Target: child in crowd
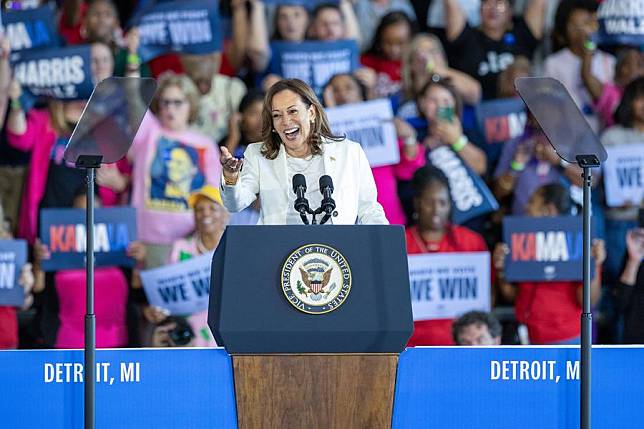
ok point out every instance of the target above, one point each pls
(433, 232)
(550, 309)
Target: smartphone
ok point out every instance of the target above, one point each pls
(445, 114)
(641, 217)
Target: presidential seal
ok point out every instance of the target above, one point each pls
(316, 279)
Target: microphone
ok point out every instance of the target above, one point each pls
(328, 204)
(301, 203)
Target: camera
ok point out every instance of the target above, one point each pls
(182, 334)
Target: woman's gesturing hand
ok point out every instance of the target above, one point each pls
(231, 166)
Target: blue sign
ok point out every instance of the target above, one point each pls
(188, 27)
(61, 73)
(152, 388)
(309, 4)
(543, 248)
(64, 232)
(501, 120)
(313, 62)
(470, 195)
(621, 22)
(13, 255)
(512, 387)
(31, 28)
(436, 387)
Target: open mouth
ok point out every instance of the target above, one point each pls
(291, 133)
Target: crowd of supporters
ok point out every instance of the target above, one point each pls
(435, 61)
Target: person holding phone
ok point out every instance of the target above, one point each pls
(439, 103)
(632, 285)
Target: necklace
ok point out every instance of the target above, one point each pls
(293, 164)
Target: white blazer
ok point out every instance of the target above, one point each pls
(345, 161)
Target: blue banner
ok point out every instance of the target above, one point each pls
(436, 387)
(313, 62)
(543, 248)
(13, 255)
(470, 195)
(621, 22)
(64, 232)
(152, 388)
(31, 28)
(188, 27)
(501, 120)
(61, 73)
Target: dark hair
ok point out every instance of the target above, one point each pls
(361, 87)
(443, 83)
(624, 112)
(276, 35)
(477, 318)
(250, 98)
(322, 6)
(557, 195)
(319, 129)
(564, 11)
(387, 20)
(425, 176)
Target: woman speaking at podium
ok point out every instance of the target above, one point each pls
(297, 139)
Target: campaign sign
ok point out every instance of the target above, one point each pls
(447, 285)
(64, 232)
(180, 288)
(30, 28)
(543, 248)
(624, 174)
(13, 255)
(501, 120)
(188, 27)
(621, 22)
(313, 62)
(470, 195)
(62, 73)
(372, 125)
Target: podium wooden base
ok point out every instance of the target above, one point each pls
(315, 390)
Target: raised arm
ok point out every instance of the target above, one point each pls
(454, 19)
(236, 51)
(534, 16)
(350, 21)
(258, 50)
(468, 87)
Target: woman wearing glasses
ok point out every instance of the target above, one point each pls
(170, 160)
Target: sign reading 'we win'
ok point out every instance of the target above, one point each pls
(447, 285)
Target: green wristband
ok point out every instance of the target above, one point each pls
(15, 104)
(459, 144)
(517, 166)
(133, 60)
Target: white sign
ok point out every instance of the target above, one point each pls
(446, 285)
(624, 174)
(372, 125)
(182, 288)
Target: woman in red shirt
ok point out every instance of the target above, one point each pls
(434, 233)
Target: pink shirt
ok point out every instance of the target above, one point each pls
(167, 167)
(607, 104)
(386, 182)
(39, 139)
(111, 291)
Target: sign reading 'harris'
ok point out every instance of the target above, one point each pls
(64, 232)
(316, 279)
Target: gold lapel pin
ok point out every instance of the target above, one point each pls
(332, 158)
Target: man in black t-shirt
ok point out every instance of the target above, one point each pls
(486, 51)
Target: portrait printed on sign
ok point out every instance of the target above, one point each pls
(177, 170)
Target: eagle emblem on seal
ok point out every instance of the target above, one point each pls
(315, 280)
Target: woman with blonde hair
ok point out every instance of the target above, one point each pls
(165, 151)
(425, 60)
